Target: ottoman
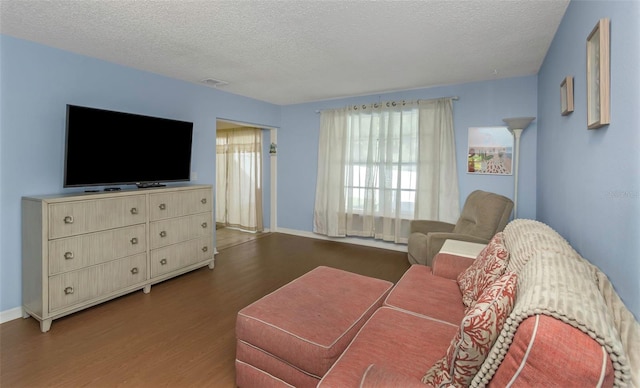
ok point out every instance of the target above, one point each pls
(295, 334)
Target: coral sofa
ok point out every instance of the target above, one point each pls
(529, 311)
(564, 326)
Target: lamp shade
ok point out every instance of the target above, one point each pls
(518, 122)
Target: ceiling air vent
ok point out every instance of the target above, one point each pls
(214, 82)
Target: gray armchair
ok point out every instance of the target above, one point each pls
(484, 214)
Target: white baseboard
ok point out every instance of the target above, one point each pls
(349, 240)
(10, 315)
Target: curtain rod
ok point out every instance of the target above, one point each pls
(454, 98)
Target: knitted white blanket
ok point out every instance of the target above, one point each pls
(626, 325)
(554, 280)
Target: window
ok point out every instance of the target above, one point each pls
(381, 169)
(381, 165)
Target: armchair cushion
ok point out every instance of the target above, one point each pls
(484, 214)
(490, 264)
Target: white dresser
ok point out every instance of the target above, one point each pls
(82, 249)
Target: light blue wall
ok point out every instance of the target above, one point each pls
(36, 84)
(589, 180)
(585, 184)
(482, 104)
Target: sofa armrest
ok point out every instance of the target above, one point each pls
(449, 266)
(379, 377)
(425, 226)
(546, 351)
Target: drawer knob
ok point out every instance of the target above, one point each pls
(68, 220)
(68, 255)
(134, 210)
(134, 240)
(204, 225)
(68, 291)
(162, 206)
(203, 201)
(134, 270)
(163, 234)
(204, 249)
(163, 262)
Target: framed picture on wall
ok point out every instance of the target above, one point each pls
(598, 76)
(490, 151)
(566, 96)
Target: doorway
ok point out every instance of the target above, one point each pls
(243, 200)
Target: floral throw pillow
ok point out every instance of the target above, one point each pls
(478, 332)
(490, 264)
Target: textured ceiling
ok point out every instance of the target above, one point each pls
(287, 52)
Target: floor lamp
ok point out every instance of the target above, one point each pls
(516, 125)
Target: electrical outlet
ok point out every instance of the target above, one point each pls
(194, 176)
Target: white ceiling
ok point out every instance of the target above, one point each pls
(287, 52)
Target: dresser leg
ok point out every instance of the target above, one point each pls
(147, 289)
(212, 264)
(25, 314)
(45, 325)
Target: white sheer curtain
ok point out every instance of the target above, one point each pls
(239, 178)
(437, 194)
(382, 165)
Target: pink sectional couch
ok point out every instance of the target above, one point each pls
(567, 326)
(528, 312)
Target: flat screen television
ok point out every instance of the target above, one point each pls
(104, 147)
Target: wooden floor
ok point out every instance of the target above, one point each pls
(182, 333)
(228, 237)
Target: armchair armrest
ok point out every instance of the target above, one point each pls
(380, 377)
(425, 226)
(436, 240)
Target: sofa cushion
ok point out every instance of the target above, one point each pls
(477, 333)
(490, 264)
(394, 340)
(450, 266)
(421, 292)
(381, 377)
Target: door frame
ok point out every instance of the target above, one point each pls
(273, 167)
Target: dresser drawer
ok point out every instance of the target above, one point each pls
(72, 218)
(181, 203)
(175, 230)
(68, 289)
(173, 257)
(70, 253)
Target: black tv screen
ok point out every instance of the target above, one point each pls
(105, 147)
